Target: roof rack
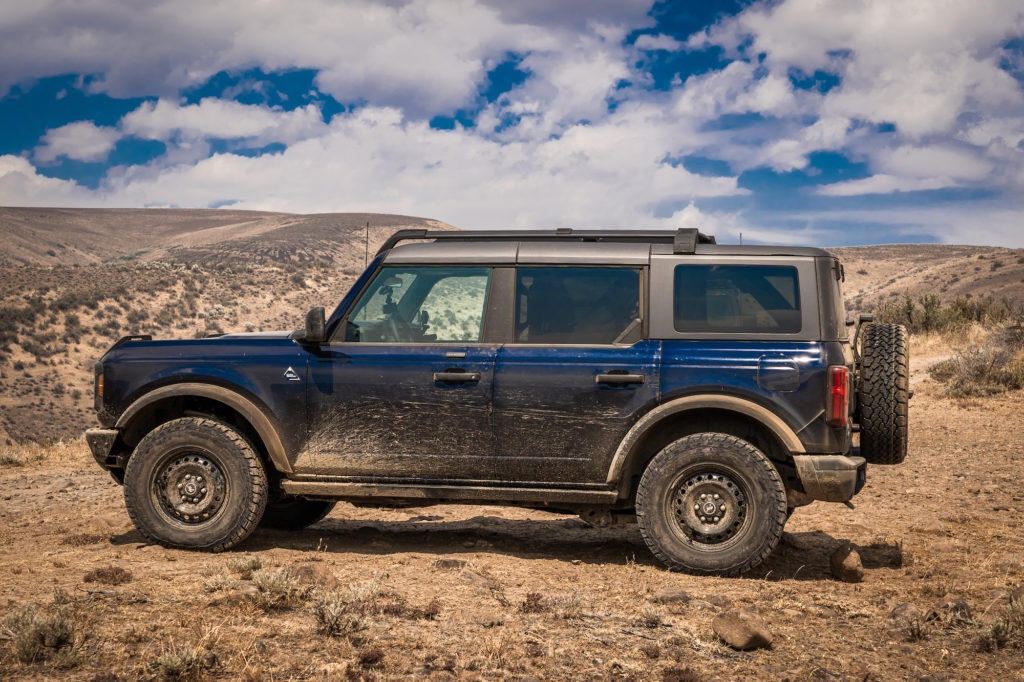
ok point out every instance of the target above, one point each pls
(683, 240)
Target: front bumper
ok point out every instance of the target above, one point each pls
(101, 443)
(831, 478)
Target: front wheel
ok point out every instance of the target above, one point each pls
(195, 483)
(711, 504)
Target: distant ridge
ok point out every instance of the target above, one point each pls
(85, 236)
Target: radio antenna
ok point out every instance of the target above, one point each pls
(366, 244)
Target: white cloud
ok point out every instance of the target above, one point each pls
(881, 184)
(657, 42)
(21, 185)
(607, 175)
(82, 141)
(217, 118)
(932, 161)
(425, 57)
(932, 71)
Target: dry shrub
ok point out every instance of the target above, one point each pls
(81, 539)
(36, 635)
(279, 589)
(9, 457)
(679, 675)
(984, 370)
(342, 612)
(1007, 629)
(370, 657)
(244, 566)
(181, 662)
(108, 575)
(534, 602)
(650, 617)
(334, 616)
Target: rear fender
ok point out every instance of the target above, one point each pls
(628, 448)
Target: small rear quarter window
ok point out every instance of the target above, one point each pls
(738, 299)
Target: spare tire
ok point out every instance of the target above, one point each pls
(883, 393)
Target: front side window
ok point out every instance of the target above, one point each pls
(746, 299)
(577, 305)
(421, 305)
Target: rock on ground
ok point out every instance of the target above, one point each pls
(846, 564)
(742, 629)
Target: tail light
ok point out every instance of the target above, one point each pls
(838, 408)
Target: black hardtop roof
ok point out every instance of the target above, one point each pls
(682, 241)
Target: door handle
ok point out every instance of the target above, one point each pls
(620, 379)
(457, 377)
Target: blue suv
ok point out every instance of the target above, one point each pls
(705, 390)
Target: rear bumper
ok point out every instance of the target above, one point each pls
(101, 444)
(831, 478)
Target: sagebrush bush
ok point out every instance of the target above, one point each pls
(991, 369)
(36, 634)
(1007, 629)
(279, 589)
(927, 313)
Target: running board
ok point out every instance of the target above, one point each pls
(442, 493)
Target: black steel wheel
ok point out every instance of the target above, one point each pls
(711, 504)
(195, 483)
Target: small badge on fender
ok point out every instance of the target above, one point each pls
(291, 375)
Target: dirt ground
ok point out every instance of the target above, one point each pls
(497, 593)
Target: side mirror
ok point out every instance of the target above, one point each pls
(316, 327)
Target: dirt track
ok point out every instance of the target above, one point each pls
(529, 595)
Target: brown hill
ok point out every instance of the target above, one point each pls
(55, 236)
(876, 273)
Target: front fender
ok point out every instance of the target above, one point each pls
(241, 404)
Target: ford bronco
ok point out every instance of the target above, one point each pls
(705, 389)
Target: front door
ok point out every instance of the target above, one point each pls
(404, 389)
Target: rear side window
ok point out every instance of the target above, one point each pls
(745, 299)
(577, 305)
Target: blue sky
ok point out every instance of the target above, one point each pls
(828, 122)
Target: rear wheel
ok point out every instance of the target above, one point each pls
(195, 483)
(295, 513)
(884, 393)
(711, 504)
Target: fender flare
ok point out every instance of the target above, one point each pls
(244, 406)
(727, 403)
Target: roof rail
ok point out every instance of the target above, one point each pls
(683, 240)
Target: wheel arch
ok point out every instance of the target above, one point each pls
(175, 400)
(695, 414)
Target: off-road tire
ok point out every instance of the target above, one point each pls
(749, 487)
(213, 461)
(295, 513)
(883, 393)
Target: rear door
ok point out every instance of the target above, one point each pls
(576, 374)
